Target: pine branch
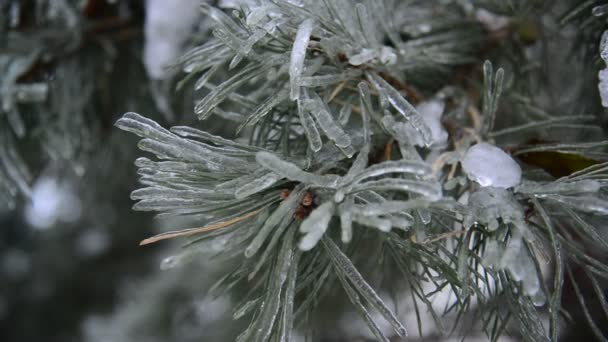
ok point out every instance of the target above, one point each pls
(320, 89)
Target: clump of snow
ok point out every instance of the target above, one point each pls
(431, 112)
(491, 21)
(51, 202)
(514, 257)
(168, 25)
(488, 165)
(488, 205)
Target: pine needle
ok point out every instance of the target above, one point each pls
(199, 230)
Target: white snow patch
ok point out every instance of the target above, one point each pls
(431, 112)
(52, 202)
(168, 25)
(491, 21)
(488, 165)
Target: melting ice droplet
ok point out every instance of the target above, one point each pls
(488, 165)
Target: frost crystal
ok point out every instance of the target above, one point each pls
(488, 165)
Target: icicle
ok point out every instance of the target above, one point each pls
(270, 248)
(402, 106)
(367, 23)
(298, 55)
(345, 266)
(310, 128)
(383, 225)
(327, 80)
(588, 204)
(315, 225)
(257, 185)
(205, 107)
(288, 316)
(285, 208)
(185, 131)
(271, 305)
(293, 172)
(564, 188)
(265, 107)
(327, 123)
(245, 308)
(600, 10)
(346, 219)
(202, 81)
(391, 207)
(430, 190)
(344, 114)
(394, 166)
(364, 56)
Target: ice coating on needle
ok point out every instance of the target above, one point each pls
(298, 54)
(488, 165)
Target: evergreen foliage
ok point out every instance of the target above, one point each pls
(377, 148)
(339, 158)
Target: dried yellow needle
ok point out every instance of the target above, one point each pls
(193, 231)
(444, 236)
(336, 91)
